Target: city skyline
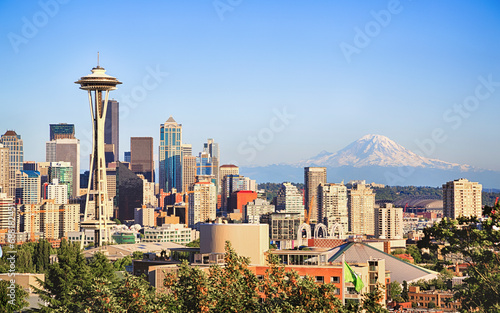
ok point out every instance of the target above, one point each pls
(285, 71)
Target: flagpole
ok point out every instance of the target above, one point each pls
(343, 279)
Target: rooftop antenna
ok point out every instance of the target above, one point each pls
(97, 58)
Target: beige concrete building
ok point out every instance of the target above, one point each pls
(462, 197)
(7, 212)
(389, 222)
(14, 143)
(333, 205)
(202, 203)
(177, 233)
(248, 240)
(53, 220)
(188, 171)
(4, 169)
(148, 193)
(313, 177)
(289, 200)
(360, 204)
(26, 280)
(145, 216)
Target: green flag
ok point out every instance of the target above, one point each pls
(351, 276)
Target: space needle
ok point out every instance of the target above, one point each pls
(97, 84)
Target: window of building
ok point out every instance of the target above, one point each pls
(320, 279)
(335, 279)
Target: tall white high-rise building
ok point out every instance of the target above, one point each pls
(333, 205)
(57, 192)
(290, 200)
(7, 212)
(389, 222)
(202, 203)
(462, 197)
(361, 204)
(255, 209)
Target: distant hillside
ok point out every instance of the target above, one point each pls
(392, 194)
(395, 193)
(272, 189)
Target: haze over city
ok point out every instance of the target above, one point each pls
(304, 77)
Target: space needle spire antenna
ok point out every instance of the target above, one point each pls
(97, 84)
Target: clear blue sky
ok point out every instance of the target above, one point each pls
(231, 64)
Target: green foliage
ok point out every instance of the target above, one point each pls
(194, 243)
(439, 283)
(15, 302)
(117, 221)
(476, 241)
(398, 251)
(63, 278)
(119, 265)
(404, 292)
(31, 257)
(415, 253)
(371, 301)
(41, 256)
(101, 267)
(395, 193)
(234, 288)
(137, 255)
(395, 290)
(431, 305)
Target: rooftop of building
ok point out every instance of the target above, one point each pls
(356, 252)
(31, 173)
(228, 165)
(10, 133)
(123, 250)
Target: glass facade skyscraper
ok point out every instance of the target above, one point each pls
(61, 131)
(170, 155)
(63, 172)
(112, 127)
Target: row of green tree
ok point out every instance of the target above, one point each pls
(75, 284)
(30, 257)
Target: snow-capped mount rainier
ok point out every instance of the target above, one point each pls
(376, 158)
(377, 150)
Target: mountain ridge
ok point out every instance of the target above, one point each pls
(377, 150)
